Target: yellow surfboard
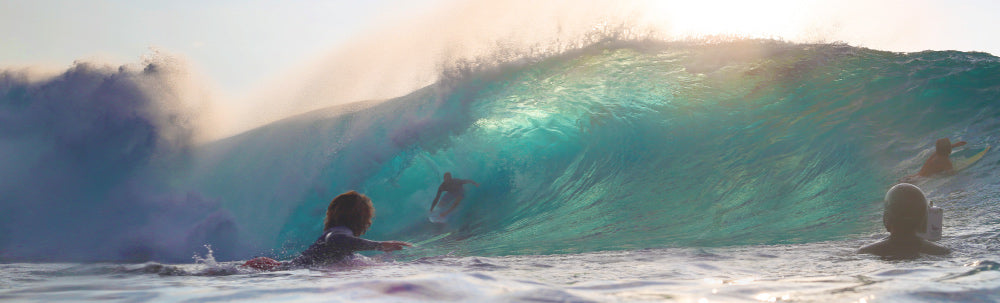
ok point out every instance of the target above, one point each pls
(961, 164)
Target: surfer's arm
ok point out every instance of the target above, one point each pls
(388, 246)
(358, 244)
(350, 243)
(957, 144)
(470, 181)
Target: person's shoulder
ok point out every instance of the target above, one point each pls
(880, 248)
(886, 249)
(932, 248)
(337, 231)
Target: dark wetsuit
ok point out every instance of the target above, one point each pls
(333, 246)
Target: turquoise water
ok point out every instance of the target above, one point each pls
(747, 170)
(622, 147)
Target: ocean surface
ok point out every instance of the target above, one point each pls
(747, 170)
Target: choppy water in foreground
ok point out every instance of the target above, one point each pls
(816, 272)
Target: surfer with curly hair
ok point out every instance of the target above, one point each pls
(348, 217)
(905, 215)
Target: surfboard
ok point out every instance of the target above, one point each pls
(447, 199)
(437, 218)
(963, 163)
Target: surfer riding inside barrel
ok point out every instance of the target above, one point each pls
(904, 216)
(939, 162)
(453, 193)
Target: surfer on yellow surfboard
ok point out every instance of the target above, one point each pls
(938, 162)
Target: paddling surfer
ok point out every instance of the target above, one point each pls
(348, 217)
(939, 162)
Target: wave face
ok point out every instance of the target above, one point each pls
(615, 146)
(620, 147)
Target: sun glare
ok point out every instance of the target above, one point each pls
(753, 19)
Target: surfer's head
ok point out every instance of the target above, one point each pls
(352, 210)
(905, 209)
(447, 176)
(943, 147)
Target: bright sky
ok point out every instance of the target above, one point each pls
(241, 45)
(237, 43)
(240, 42)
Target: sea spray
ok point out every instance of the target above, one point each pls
(82, 165)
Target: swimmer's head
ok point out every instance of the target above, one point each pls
(447, 176)
(943, 146)
(905, 209)
(352, 210)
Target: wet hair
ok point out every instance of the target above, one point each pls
(352, 210)
(447, 175)
(905, 209)
(943, 146)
